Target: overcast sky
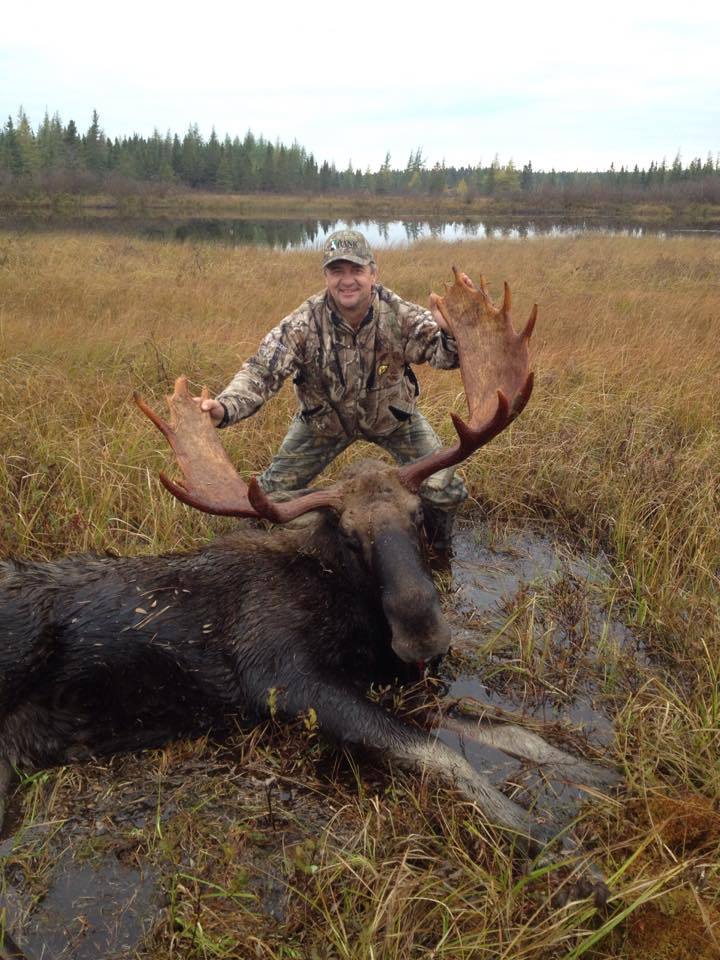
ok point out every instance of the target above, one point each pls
(546, 82)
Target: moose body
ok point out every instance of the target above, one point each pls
(100, 654)
(103, 654)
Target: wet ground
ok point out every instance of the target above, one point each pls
(536, 642)
(535, 639)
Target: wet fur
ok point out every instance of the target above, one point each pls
(101, 654)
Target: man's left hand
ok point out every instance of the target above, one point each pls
(437, 316)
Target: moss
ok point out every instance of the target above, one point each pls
(685, 823)
(673, 928)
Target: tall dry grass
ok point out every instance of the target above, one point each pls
(619, 449)
(619, 442)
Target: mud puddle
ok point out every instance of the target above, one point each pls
(93, 910)
(82, 901)
(537, 643)
(105, 852)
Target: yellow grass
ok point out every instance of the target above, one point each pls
(618, 449)
(619, 442)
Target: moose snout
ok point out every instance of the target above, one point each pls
(414, 647)
(410, 601)
(419, 630)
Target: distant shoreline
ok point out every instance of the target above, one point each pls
(362, 206)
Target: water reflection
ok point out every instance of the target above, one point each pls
(283, 234)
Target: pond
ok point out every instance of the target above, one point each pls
(310, 233)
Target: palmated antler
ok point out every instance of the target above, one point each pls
(210, 482)
(494, 365)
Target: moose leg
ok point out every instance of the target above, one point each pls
(351, 720)
(516, 741)
(526, 745)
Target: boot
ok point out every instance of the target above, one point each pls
(438, 525)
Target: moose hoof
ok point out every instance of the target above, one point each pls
(583, 888)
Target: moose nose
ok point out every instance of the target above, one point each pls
(411, 648)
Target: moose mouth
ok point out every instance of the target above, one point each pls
(418, 649)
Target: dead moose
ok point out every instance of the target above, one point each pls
(101, 654)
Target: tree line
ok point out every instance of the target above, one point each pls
(58, 158)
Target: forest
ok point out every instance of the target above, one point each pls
(58, 158)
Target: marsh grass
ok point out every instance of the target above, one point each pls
(618, 451)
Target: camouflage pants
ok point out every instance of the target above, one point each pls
(304, 454)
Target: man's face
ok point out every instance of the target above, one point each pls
(350, 284)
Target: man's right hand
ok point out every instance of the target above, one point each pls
(213, 407)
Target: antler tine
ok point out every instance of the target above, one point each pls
(494, 364)
(210, 482)
(507, 299)
(530, 325)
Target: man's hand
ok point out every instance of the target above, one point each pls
(435, 310)
(213, 407)
(437, 316)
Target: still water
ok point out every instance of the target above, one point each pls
(310, 233)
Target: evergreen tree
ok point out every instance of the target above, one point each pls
(310, 177)
(526, 180)
(243, 175)
(436, 183)
(212, 161)
(27, 146)
(382, 178)
(676, 170)
(325, 177)
(191, 158)
(491, 177)
(267, 172)
(12, 155)
(71, 143)
(50, 143)
(94, 150)
(176, 157)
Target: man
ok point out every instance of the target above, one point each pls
(349, 350)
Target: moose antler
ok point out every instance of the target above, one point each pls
(494, 365)
(210, 482)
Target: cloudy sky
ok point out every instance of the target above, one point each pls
(564, 85)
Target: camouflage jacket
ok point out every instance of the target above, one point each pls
(351, 382)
